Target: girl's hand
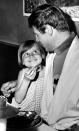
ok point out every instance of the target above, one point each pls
(30, 73)
(8, 87)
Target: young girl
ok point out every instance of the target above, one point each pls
(29, 89)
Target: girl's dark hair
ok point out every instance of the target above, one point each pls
(26, 45)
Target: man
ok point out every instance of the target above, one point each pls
(56, 32)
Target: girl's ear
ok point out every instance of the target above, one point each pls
(49, 29)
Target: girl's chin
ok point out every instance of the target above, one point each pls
(31, 67)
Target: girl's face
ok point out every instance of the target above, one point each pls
(32, 57)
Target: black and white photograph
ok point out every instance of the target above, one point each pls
(39, 65)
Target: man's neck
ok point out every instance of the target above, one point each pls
(66, 38)
(61, 37)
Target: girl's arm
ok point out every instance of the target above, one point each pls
(8, 88)
(24, 79)
(22, 86)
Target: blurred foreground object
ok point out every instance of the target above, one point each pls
(6, 110)
(27, 119)
(3, 123)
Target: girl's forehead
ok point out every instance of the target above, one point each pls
(35, 47)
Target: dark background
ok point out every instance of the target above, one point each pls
(13, 25)
(8, 63)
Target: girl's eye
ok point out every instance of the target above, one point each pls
(35, 52)
(27, 54)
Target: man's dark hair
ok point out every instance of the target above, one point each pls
(52, 15)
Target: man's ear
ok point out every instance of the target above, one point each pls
(49, 29)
